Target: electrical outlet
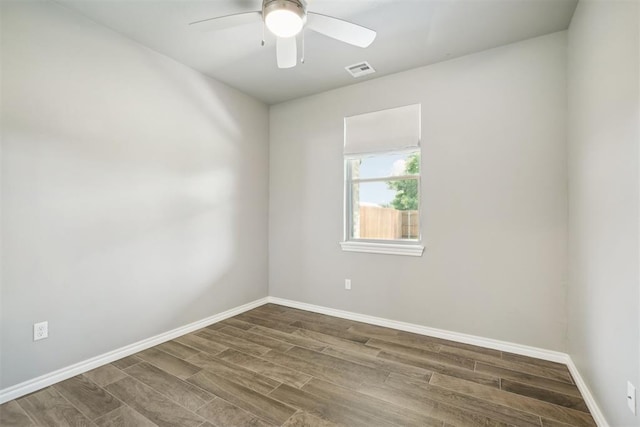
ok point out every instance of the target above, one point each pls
(40, 331)
(347, 284)
(631, 397)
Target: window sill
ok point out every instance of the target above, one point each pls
(383, 248)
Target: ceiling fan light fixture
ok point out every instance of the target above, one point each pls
(284, 18)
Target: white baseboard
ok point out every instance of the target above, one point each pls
(596, 413)
(524, 350)
(46, 380)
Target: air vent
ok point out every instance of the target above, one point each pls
(360, 69)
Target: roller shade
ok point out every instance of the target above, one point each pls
(387, 130)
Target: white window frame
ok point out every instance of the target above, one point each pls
(409, 247)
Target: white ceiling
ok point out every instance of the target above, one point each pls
(411, 33)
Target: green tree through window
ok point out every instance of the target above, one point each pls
(406, 198)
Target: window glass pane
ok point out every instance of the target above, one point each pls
(385, 210)
(384, 165)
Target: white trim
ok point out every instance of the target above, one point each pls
(46, 380)
(382, 248)
(524, 350)
(588, 397)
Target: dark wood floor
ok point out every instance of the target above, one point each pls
(277, 366)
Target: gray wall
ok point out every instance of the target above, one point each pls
(494, 195)
(134, 191)
(603, 135)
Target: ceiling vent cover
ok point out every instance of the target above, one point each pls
(360, 69)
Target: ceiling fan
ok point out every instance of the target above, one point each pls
(285, 19)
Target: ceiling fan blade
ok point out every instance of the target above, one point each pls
(287, 52)
(338, 29)
(228, 21)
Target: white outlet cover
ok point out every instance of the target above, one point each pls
(40, 331)
(631, 397)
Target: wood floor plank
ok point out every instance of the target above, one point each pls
(390, 335)
(470, 347)
(124, 416)
(236, 323)
(295, 340)
(505, 414)
(532, 361)
(469, 375)
(321, 319)
(280, 318)
(377, 363)
(523, 403)
(202, 344)
(293, 314)
(279, 373)
(552, 423)
(181, 392)
(319, 371)
(92, 400)
(448, 413)
(125, 362)
(546, 395)
(325, 409)
(11, 414)
(376, 407)
(250, 400)
(334, 341)
(171, 364)
(270, 308)
(153, 405)
(222, 413)
(469, 354)
(236, 373)
(177, 349)
(305, 419)
(262, 340)
(330, 330)
(539, 371)
(48, 408)
(105, 375)
(233, 342)
(266, 323)
(415, 340)
(354, 372)
(529, 379)
(214, 326)
(454, 360)
(374, 331)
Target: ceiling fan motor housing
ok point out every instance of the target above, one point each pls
(295, 6)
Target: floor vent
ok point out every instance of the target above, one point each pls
(360, 69)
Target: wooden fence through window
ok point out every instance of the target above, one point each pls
(388, 223)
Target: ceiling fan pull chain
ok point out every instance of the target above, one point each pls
(263, 26)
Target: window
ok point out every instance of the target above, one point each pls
(382, 182)
(385, 197)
